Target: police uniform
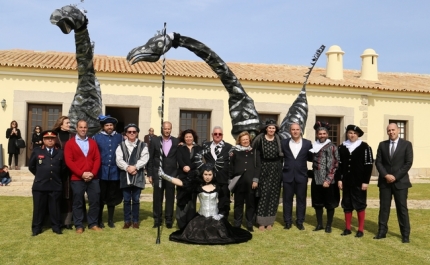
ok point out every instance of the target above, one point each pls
(47, 165)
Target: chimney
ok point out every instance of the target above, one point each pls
(334, 63)
(369, 65)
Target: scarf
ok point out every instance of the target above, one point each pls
(316, 146)
(351, 146)
(240, 148)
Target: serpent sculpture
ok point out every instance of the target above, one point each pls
(87, 102)
(243, 114)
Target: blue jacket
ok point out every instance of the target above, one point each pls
(107, 146)
(295, 169)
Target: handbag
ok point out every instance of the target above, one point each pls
(20, 143)
(233, 182)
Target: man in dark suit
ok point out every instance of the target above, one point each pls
(393, 161)
(147, 138)
(163, 151)
(294, 175)
(216, 153)
(47, 165)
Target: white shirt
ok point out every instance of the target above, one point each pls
(295, 147)
(122, 164)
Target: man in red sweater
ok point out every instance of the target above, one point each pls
(83, 159)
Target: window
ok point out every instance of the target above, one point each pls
(42, 115)
(402, 127)
(335, 131)
(265, 117)
(199, 121)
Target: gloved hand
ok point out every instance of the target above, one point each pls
(217, 217)
(164, 175)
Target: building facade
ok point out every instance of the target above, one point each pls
(38, 87)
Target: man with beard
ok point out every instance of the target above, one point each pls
(324, 191)
(110, 194)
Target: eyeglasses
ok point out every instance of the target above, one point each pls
(132, 132)
(217, 134)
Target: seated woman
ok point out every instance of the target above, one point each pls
(208, 227)
(4, 176)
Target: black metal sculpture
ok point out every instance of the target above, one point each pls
(87, 102)
(243, 114)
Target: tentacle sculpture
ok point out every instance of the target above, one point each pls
(243, 114)
(87, 103)
(242, 110)
(298, 112)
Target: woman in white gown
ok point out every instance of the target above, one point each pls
(208, 227)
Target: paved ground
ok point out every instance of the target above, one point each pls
(23, 179)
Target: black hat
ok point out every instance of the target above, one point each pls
(49, 133)
(107, 119)
(322, 125)
(268, 123)
(354, 128)
(131, 125)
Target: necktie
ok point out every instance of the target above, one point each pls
(392, 149)
(217, 150)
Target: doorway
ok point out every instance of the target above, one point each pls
(43, 115)
(124, 116)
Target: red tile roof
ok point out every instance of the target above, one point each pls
(401, 82)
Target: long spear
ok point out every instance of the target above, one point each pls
(160, 180)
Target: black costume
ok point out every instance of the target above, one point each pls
(35, 139)
(12, 149)
(355, 169)
(246, 163)
(221, 170)
(48, 170)
(186, 199)
(67, 194)
(208, 227)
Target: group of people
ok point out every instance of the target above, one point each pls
(111, 169)
(108, 168)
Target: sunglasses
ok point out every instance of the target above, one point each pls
(131, 132)
(217, 134)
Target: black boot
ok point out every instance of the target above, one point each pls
(319, 213)
(101, 224)
(111, 210)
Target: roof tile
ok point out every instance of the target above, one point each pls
(291, 74)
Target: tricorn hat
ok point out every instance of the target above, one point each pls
(354, 128)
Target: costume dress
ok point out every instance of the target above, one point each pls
(204, 229)
(269, 182)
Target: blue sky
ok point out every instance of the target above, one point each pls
(254, 31)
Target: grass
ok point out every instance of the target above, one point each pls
(279, 246)
(419, 191)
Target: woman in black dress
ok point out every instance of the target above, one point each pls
(13, 133)
(185, 198)
(37, 139)
(208, 227)
(244, 161)
(268, 143)
(62, 127)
